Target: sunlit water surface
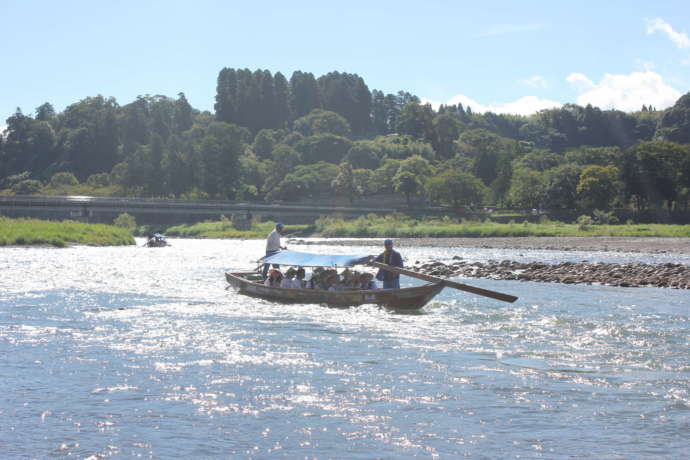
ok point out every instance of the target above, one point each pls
(142, 352)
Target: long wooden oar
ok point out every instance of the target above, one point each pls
(449, 283)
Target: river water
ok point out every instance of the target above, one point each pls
(128, 351)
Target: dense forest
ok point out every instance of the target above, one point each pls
(311, 138)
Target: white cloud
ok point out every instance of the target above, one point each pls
(580, 81)
(625, 92)
(524, 106)
(536, 81)
(681, 39)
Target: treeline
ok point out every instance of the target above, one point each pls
(312, 138)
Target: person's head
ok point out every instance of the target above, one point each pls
(366, 277)
(290, 273)
(300, 274)
(388, 244)
(273, 273)
(279, 227)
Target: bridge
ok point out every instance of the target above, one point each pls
(165, 211)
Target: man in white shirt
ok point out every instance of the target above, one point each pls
(273, 246)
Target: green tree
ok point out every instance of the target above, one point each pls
(323, 147)
(538, 160)
(417, 121)
(220, 150)
(183, 117)
(63, 178)
(654, 172)
(561, 186)
(490, 154)
(383, 176)
(305, 95)
(447, 131)
(456, 188)
(602, 156)
(364, 155)
(320, 121)
(27, 187)
(406, 182)
(99, 180)
(674, 124)
(265, 141)
(598, 186)
(527, 189)
(348, 95)
(344, 184)
(226, 96)
(306, 181)
(45, 112)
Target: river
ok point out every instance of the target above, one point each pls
(127, 351)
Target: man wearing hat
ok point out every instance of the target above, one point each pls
(273, 246)
(389, 257)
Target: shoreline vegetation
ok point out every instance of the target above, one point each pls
(31, 232)
(403, 227)
(35, 232)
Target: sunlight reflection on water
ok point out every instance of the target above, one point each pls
(137, 351)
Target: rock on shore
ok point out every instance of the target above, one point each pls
(636, 274)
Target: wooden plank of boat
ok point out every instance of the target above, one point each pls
(399, 299)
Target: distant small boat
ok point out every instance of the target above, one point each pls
(157, 241)
(414, 298)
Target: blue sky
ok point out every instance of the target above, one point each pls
(493, 55)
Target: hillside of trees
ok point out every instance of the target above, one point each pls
(310, 138)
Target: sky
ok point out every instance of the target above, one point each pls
(503, 56)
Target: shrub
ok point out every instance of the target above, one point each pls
(126, 221)
(27, 187)
(604, 218)
(584, 222)
(63, 178)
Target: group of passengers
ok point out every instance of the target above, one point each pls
(323, 279)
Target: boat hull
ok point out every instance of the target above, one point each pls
(399, 299)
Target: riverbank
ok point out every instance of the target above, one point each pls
(34, 232)
(651, 245)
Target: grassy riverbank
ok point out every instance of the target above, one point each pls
(34, 232)
(403, 227)
(225, 229)
(400, 227)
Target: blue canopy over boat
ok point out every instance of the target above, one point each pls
(305, 259)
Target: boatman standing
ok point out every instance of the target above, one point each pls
(273, 246)
(389, 257)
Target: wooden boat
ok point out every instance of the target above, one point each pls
(156, 241)
(414, 298)
(156, 244)
(251, 284)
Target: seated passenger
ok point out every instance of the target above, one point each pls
(350, 280)
(288, 281)
(274, 278)
(315, 279)
(298, 282)
(333, 282)
(367, 282)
